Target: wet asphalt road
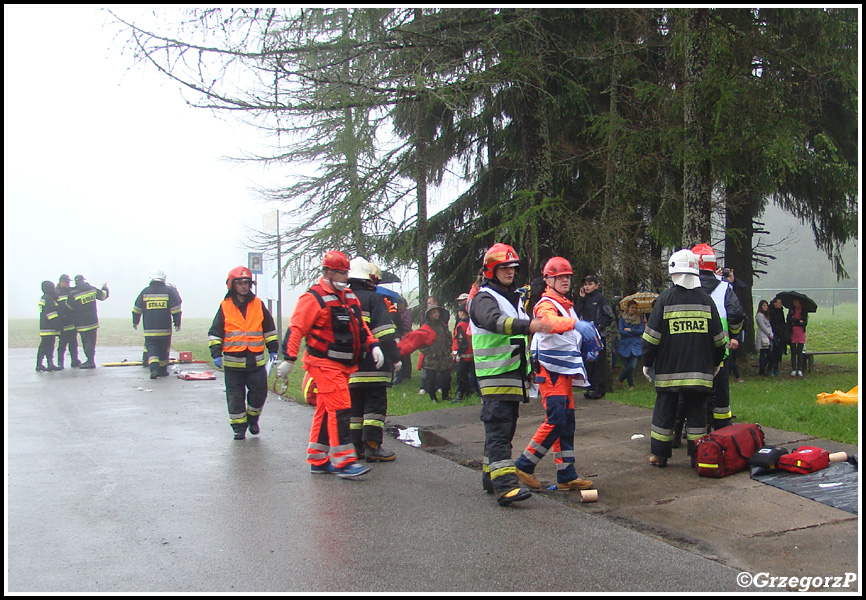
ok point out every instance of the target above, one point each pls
(117, 483)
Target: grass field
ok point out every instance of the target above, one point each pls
(782, 402)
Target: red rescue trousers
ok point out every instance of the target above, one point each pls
(557, 431)
(329, 434)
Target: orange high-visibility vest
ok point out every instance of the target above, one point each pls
(244, 332)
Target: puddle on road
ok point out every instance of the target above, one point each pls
(417, 438)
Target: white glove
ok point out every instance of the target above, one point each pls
(284, 368)
(379, 357)
(398, 366)
(716, 371)
(647, 373)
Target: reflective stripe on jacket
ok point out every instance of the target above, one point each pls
(501, 361)
(558, 352)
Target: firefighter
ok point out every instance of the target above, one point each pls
(684, 343)
(559, 367)
(329, 316)
(157, 307)
(82, 302)
(49, 327)
(500, 333)
(68, 336)
(719, 413)
(368, 386)
(242, 337)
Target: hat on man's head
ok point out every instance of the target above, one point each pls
(79, 278)
(590, 278)
(65, 277)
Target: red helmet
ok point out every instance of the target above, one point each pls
(336, 260)
(706, 257)
(499, 255)
(557, 266)
(238, 273)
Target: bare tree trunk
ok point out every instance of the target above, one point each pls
(697, 185)
(739, 231)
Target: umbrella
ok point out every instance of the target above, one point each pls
(788, 300)
(386, 292)
(389, 277)
(644, 302)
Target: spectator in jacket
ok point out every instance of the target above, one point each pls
(776, 314)
(797, 320)
(631, 327)
(592, 306)
(764, 337)
(461, 351)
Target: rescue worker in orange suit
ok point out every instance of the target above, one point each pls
(242, 337)
(329, 316)
(82, 302)
(683, 346)
(368, 386)
(49, 327)
(500, 335)
(68, 335)
(157, 307)
(560, 366)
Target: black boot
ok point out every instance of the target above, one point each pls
(59, 362)
(433, 396)
(375, 452)
(240, 430)
(154, 371)
(52, 366)
(253, 424)
(486, 483)
(39, 365)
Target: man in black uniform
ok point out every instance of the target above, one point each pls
(158, 306)
(368, 386)
(684, 344)
(68, 336)
(592, 306)
(82, 301)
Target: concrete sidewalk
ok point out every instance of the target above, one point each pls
(735, 520)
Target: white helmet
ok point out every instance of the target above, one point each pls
(683, 268)
(158, 275)
(683, 261)
(359, 268)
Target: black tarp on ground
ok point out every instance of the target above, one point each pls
(835, 486)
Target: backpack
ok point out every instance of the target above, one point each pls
(727, 450)
(805, 459)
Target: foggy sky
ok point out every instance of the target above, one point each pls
(108, 174)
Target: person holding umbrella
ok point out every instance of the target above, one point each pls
(799, 306)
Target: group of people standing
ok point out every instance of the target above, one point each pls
(65, 313)
(776, 331)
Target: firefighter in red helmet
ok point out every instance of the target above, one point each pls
(500, 336)
(329, 316)
(242, 338)
(560, 367)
